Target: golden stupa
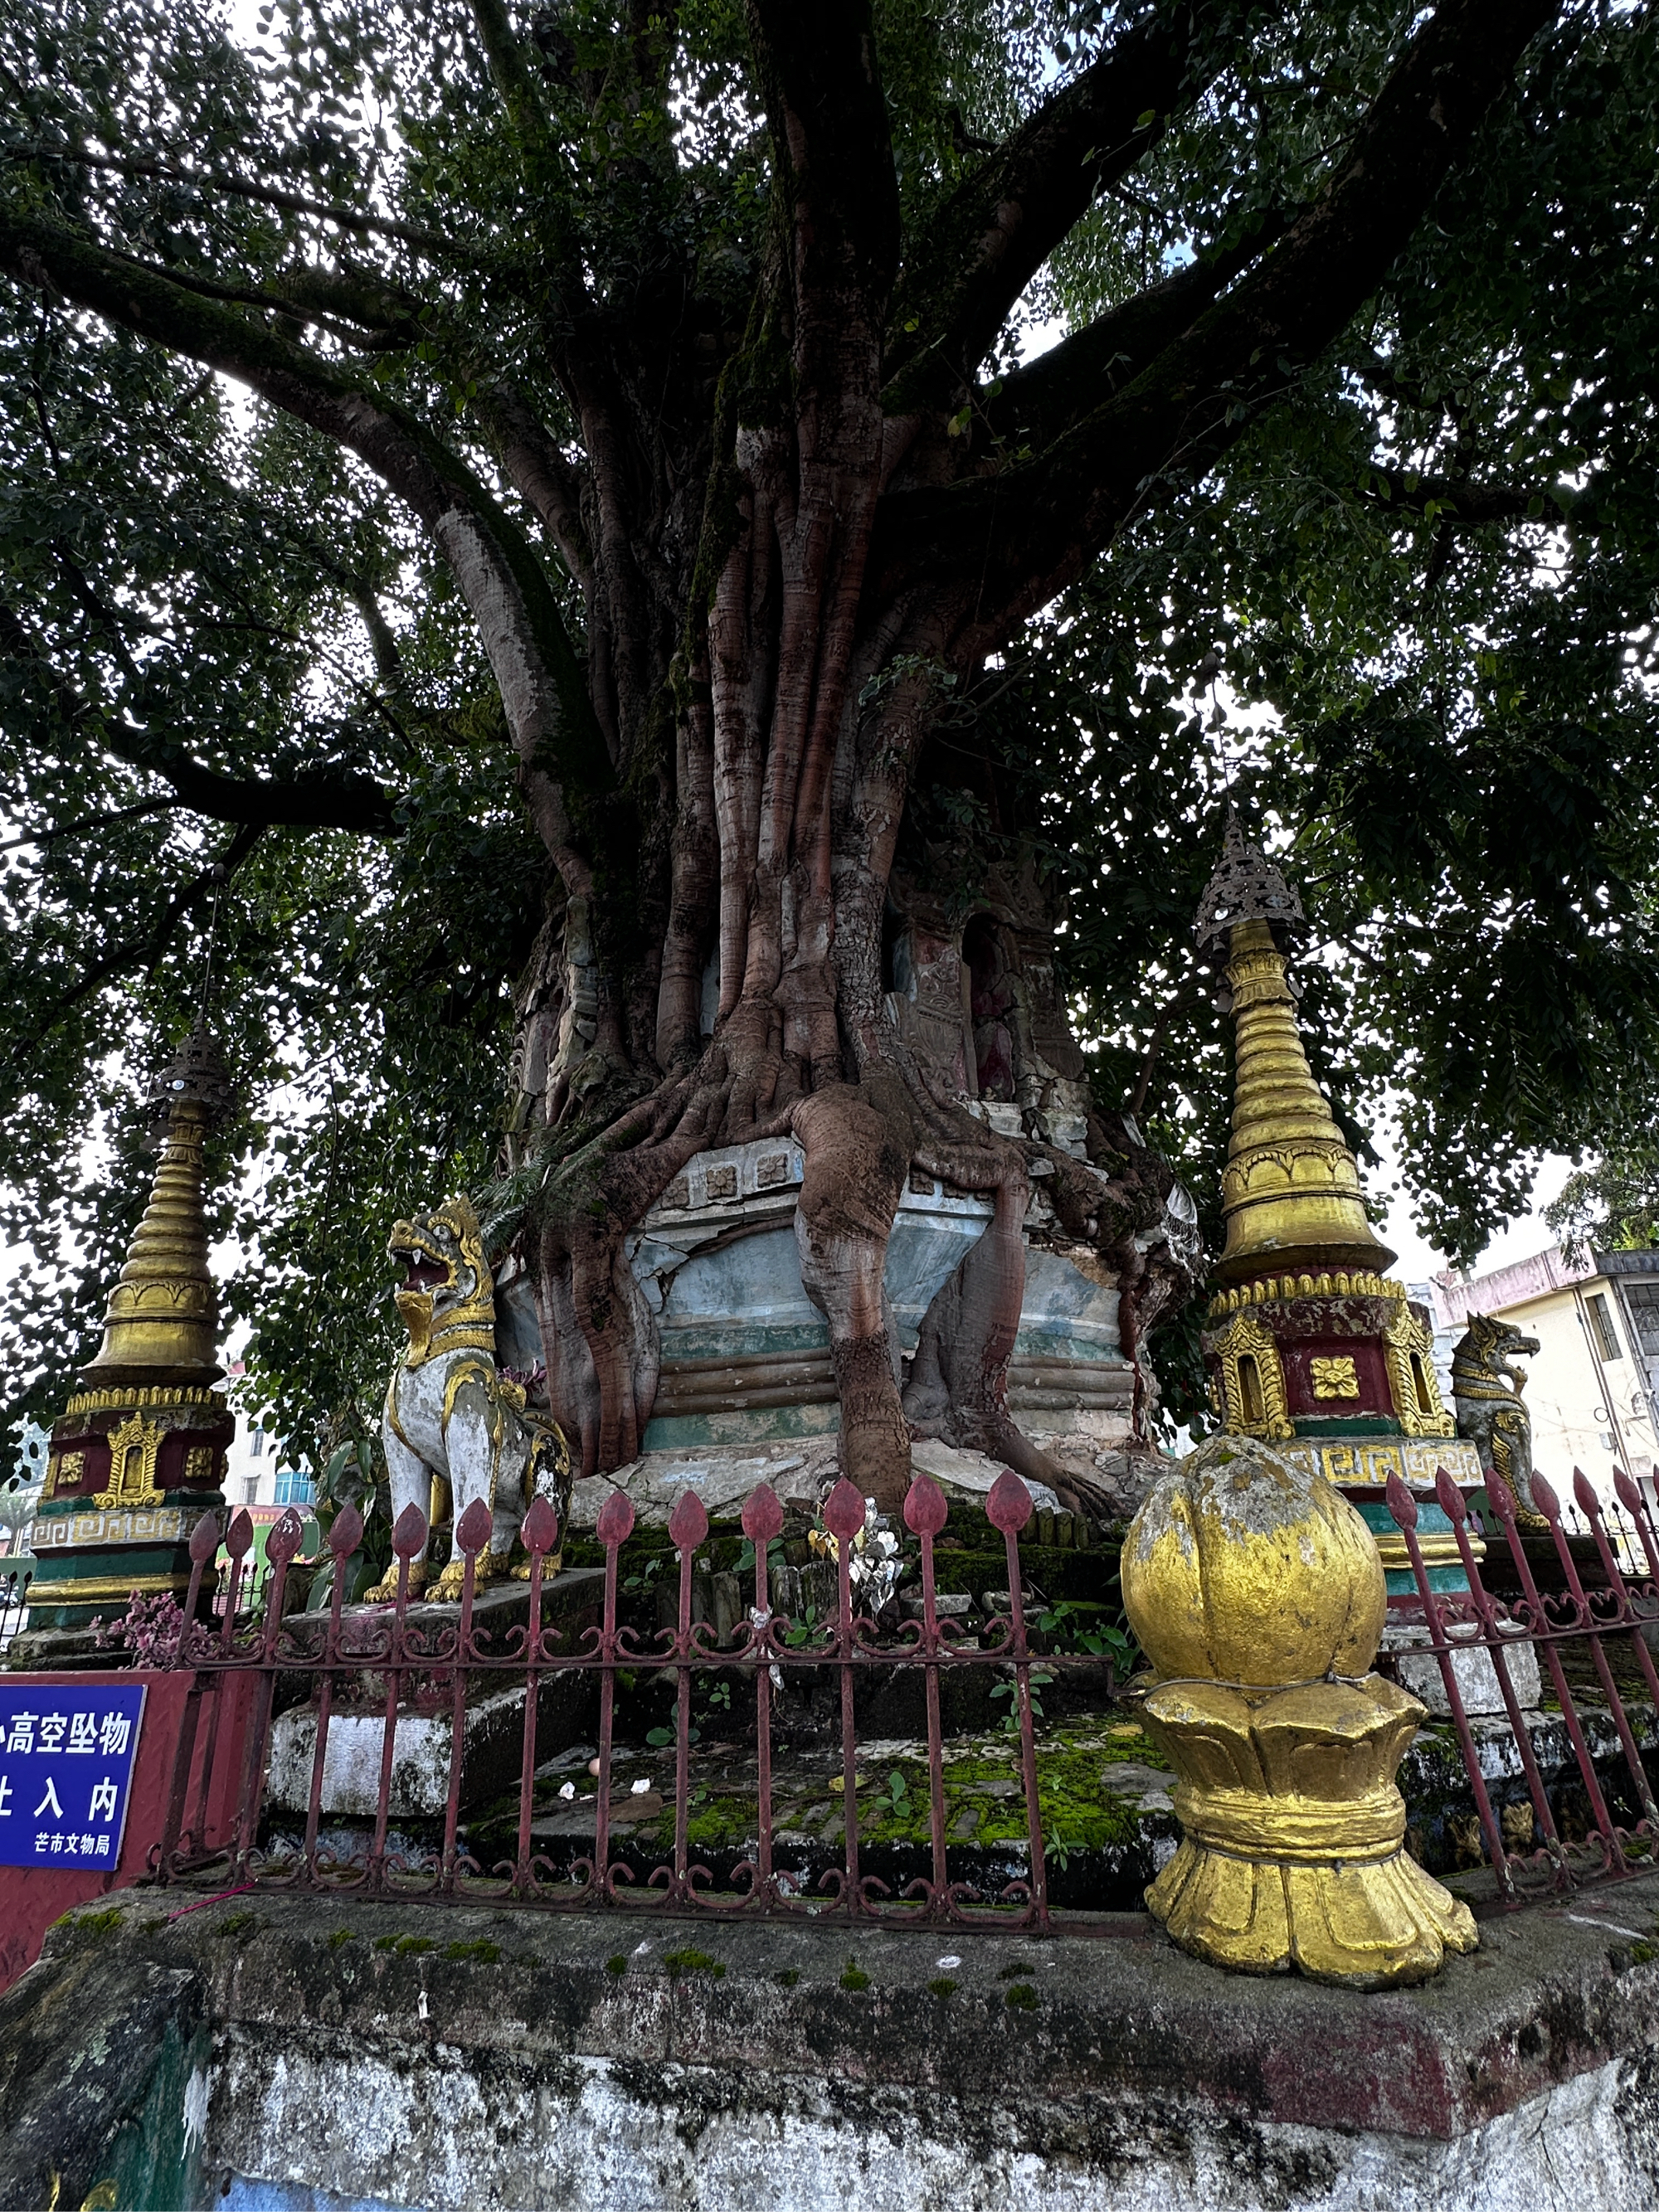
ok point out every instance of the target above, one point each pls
(1309, 1343)
(1290, 1192)
(162, 1321)
(139, 1453)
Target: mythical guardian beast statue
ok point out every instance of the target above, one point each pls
(1491, 1412)
(451, 1416)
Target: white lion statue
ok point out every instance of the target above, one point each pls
(456, 1429)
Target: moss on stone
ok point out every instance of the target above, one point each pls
(853, 1976)
(97, 1923)
(1079, 1810)
(485, 1953)
(678, 1963)
(1022, 1997)
(617, 1964)
(341, 1935)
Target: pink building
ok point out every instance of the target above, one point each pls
(1592, 1386)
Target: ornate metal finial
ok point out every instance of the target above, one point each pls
(1245, 887)
(195, 1077)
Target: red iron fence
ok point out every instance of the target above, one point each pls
(1551, 1814)
(438, 1667)
(1604, 1628)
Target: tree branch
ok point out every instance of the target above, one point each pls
(1456, 500)
(540, 474)
(565, 769)
(142, 952)
(219, 180)
(1043, 398)
(86, 822)
(832, 147)
(316, 798)
(1011, 541)
(515, 86)
(322, 798)
(1000, 225)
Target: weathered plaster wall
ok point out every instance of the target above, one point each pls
(745, 1354)
(696, 2142)
(302, 2055)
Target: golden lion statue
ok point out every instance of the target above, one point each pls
(456, 1429)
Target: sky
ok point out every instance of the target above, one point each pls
(1419, 1260)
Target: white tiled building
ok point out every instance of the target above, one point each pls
(256, 1472)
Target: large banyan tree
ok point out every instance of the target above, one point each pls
(693, 346)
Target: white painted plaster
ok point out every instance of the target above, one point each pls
(312, 2136)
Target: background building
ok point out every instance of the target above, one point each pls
(256, 1472)
(1592, 1386)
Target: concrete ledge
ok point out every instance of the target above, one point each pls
(475, 2058)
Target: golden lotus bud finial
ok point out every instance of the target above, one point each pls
(1290, 1192)
(1256, 1592)
(162, 1321)
(1241, 1567)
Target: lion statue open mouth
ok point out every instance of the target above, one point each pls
(451, 1418)
(1491, 1413)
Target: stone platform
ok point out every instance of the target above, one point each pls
(493, 1717)
(802, 1469)
(265, 2054)
(745, 1354)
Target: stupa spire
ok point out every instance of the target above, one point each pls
(1291, 1190)
(162, 1323)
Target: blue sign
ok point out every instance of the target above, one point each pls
(66, 1756)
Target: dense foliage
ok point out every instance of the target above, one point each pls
(1613, 1203)
(1406, 619)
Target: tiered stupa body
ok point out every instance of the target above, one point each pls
(1309, 1342)
(139, 1455)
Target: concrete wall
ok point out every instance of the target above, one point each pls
(1565, 1394)
(292, 2055)
(745, 1354)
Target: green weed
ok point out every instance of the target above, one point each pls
(694, 1962)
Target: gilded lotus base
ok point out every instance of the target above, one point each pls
(1292, 1832)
